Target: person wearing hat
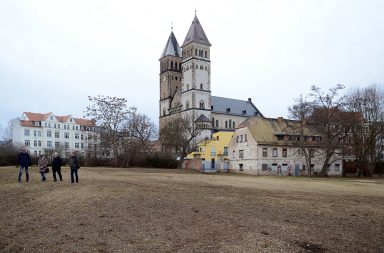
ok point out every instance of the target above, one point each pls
(24, 160)
(56, 166)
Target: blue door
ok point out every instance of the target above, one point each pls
(297, 170)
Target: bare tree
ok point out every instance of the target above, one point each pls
(325, 110)
(139, 132)
(302, 109)
(110, 114)
(177, 135)
(367, 135)
(6, 132)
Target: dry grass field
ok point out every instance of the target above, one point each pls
(148, 210)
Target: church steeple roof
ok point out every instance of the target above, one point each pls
(196, 34)
(172, 47)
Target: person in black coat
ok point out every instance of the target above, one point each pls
(74, 165)
(24, 160)
(56, 166)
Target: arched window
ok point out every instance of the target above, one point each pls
(201, 86)
(187, 105)
(187, 86)
(171, 64)
(234, 125)
(201, 104)
(213, 122)
(206, 54)
(206, 68)
(201, 67)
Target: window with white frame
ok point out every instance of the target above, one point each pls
(57, 144)
(66, 135)
(26, 132)
(77, 136)
(27, 143)
(77, 145)
(39, 143)
(57, 134)
(49, 144)
(35, 143)
(274, 152)
(49, 133)
(66, 144)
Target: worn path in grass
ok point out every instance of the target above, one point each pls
(148, 210)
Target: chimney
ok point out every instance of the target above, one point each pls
(249, 100)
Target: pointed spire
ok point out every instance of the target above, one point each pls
(172, 47)
(196, 33)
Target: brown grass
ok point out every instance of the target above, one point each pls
(145, 210)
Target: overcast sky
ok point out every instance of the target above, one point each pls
(54, 54)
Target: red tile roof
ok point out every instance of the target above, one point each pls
(44, 116)
(37, 116)
(85, 122)
(27, 123)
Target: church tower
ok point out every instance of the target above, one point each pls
(170, 78)
(196, 83)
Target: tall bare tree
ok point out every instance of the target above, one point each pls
(325, 110)
(140, 131)
(110, 114)
(6, 132)
(177, 135)
(367, 135)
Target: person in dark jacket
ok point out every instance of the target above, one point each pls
(56, 166)
(24, 160)
(74, 165)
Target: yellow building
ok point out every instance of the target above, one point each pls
(213, 150)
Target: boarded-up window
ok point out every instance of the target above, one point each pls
(241, 153)
(284, 152)
(264, 167)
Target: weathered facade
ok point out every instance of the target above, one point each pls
(265, 146)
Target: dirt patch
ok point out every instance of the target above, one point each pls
(144, 210)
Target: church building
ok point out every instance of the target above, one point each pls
(185, 87)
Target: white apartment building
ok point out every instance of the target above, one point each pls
(44, 133)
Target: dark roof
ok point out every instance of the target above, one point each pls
(172, 47)
(234, 106)
(196, 34)
(202, 118)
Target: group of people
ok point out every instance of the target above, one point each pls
(25, 159)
